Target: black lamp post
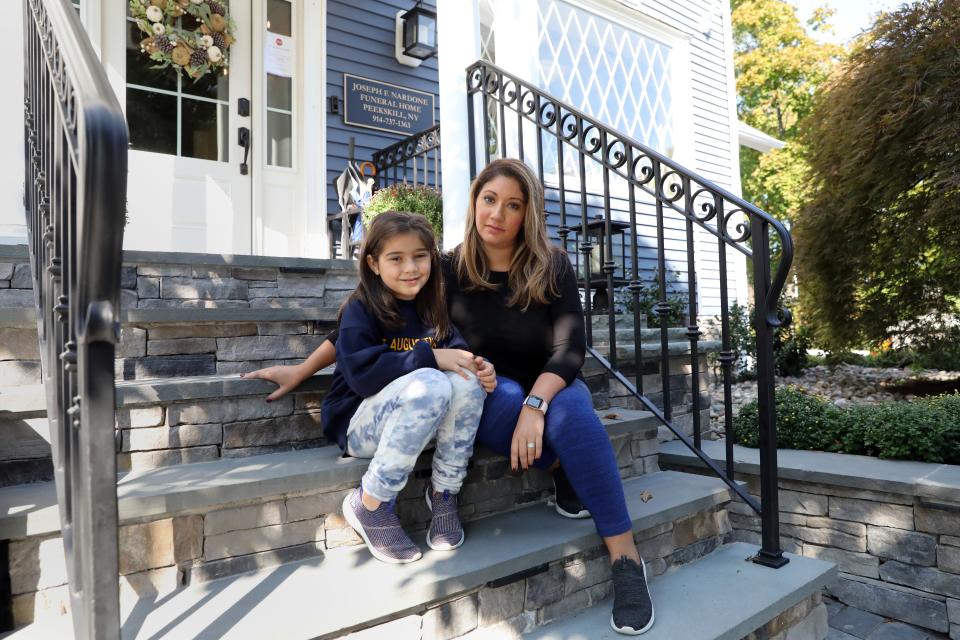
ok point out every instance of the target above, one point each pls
(419, 32)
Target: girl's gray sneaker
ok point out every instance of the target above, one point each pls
(380, 529)
(445, 532)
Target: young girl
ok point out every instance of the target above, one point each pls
(403, 377)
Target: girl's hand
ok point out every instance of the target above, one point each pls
(486, 374)
(529, 429)
(287, 377)
(455, 360)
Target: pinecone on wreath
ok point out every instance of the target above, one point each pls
(219, 40)
(198, 58)
(217, 8)
(163, 43)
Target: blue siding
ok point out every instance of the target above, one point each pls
(361, 42)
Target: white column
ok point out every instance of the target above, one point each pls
(314, 241)
(458, 43)
(13, 227)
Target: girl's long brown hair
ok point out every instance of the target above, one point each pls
(431, 302)
(533, 268)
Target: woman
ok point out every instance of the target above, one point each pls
(515, 299)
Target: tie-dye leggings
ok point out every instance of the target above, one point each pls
(396, 424)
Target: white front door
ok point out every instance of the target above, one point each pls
(187, 188)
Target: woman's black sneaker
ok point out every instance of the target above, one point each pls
(632, 606)
(568, 504)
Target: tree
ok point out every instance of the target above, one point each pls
(778, 67)
(878, 244)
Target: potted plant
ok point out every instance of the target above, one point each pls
(409, 198)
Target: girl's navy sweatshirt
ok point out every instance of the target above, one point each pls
(370, 356)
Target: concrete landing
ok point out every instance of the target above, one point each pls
(720, 597)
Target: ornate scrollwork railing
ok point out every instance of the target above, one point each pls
(579, 159)
(75, 191)
(408, 161)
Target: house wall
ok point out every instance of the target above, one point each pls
(716, 151)
(364, 46)
(703, 125)
(12, 226)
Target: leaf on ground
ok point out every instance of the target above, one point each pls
(611, 416)
(646, 496)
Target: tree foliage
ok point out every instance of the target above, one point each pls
(779, 67)
(778, 64)
(878, 244)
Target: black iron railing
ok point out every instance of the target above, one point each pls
(75, 191)
(409, 161)
(590, 169)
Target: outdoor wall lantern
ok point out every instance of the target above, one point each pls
(416, 35)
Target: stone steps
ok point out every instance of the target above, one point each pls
(30, 510)
(192, 314)
(178, 420)
(201, 521)
(731, 596)
(516, 569)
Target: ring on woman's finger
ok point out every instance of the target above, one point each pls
(531, 445)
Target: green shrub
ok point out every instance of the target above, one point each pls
(649, 296)
(402, 197)
(790, 345)
(926, 430)
(803, 421)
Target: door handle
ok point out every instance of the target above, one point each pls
(243, 139)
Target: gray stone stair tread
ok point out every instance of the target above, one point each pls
(30, 398)
(924, 479)
(153, 493)
(648, 348)
(27, 317)
(152, 391)
(741, 596)
(22, 400)
(24, 317)
(19, 252)
(180, 316)
(348, 587)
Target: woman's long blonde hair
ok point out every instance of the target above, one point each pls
(533, 267)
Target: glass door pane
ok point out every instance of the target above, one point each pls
(172, 113)
(279, 85)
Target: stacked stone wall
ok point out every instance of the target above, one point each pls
(806, 620)
(230, 427)
(157, 350)
(178, 350)
(898, 554)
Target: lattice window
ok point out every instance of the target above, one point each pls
(610, 71)
(600, 65)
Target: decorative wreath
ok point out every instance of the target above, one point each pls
(193, 36)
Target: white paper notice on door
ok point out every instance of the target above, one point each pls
(278, 55)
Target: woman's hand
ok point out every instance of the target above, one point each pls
(529, 429)
(486, 374)
(455, 360)
(286, 377)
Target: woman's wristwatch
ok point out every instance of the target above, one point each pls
(536, 402)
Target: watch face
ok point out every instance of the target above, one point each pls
(534, 402)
